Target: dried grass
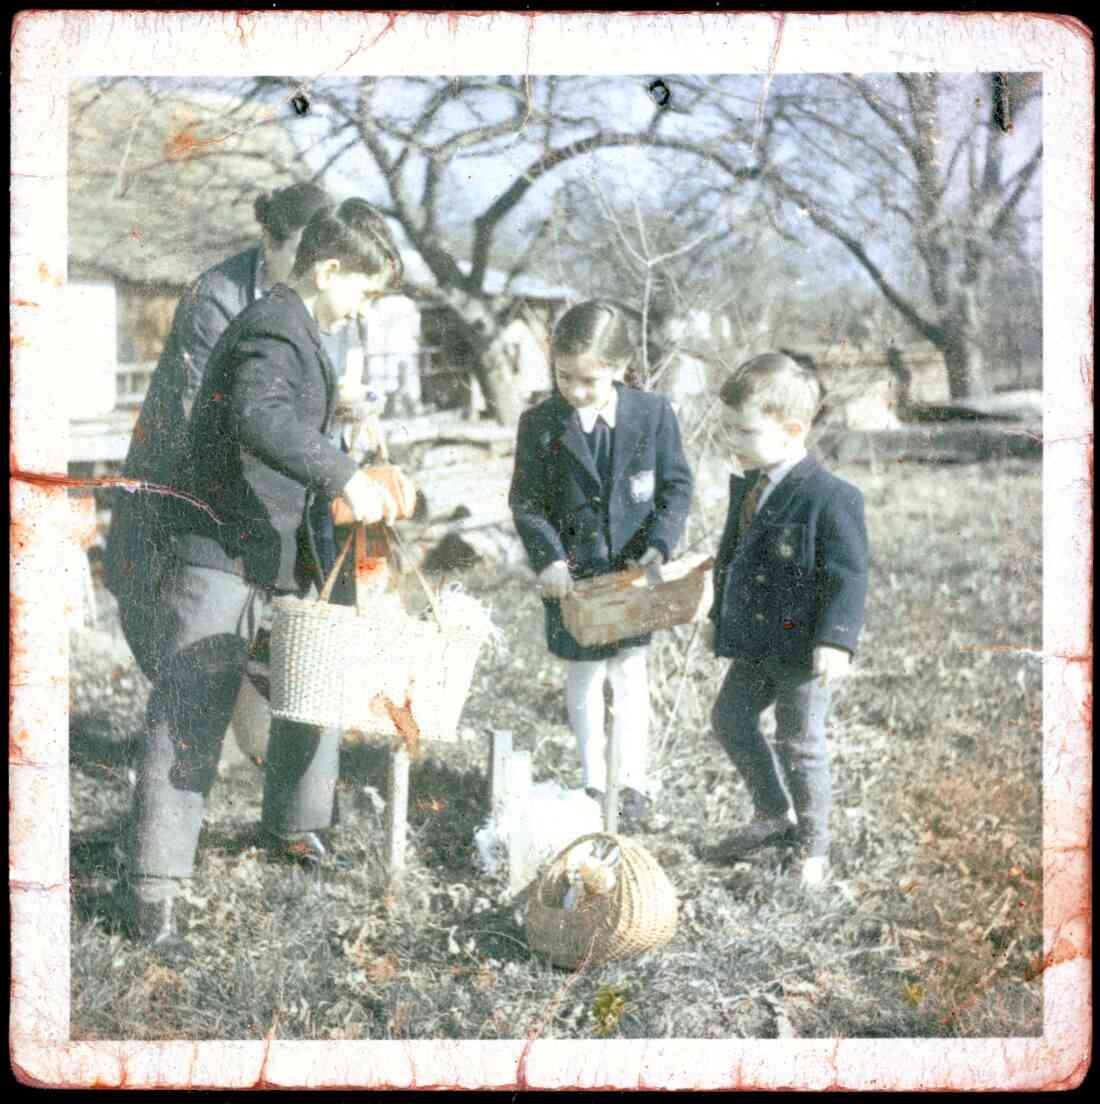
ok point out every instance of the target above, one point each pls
(931, 926)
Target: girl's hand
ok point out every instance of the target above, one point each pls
(649, 556)
(555, 580)
(831, 664)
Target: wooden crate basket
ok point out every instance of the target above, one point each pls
(639, 600)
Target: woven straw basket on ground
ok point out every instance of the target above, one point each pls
(638, 914)
(350, 667)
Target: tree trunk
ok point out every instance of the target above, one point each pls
(962, 351)
(966, 377)
(506, 402)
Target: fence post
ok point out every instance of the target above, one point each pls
(500, 752)
(519, 825)
(611, 795)
(397, 809)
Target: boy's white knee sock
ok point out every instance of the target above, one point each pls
(584, 681)
(630, 711)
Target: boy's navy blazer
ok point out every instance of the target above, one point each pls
(259, 454)
(799, 577)
(560, 505)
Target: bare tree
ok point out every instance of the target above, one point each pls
(915, 191)
(907, 156)
(426, 138)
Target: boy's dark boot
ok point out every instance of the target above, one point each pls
(759, 832)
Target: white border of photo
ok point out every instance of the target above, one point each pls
(52, 48)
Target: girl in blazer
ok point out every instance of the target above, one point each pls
(600, 483)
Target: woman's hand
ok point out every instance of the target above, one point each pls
(400, 486)
(555, 580)
(369, 500)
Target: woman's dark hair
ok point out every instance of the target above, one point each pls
(356, 235)
(601, 328)
(281, 213)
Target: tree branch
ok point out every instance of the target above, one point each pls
(930, 330)
(486, 223)
(1023, 179)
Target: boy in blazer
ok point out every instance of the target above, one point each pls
(790, 587)
(255, 477)
(600, 483)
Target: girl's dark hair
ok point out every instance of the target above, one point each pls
(601, 328)
(281, 213)
(356, 235)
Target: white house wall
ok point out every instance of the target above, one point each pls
(533, 364)
(393, 339)
(90, 339)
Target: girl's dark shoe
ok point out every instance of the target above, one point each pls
(634, 805)
(305, 848)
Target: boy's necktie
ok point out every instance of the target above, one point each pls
(748, 504)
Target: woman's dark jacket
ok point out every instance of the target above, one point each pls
(139, 540)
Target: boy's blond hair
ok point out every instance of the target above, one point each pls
(780, 386)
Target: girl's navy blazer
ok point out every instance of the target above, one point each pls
(563, 511)
(799, 577)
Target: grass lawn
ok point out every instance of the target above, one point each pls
(931, 925)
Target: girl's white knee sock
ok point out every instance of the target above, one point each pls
(630, 715)
(584, 681)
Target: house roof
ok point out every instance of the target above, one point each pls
(148, 204)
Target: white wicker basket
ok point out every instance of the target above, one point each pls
(360, 667)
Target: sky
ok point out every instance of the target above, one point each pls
(626, 101)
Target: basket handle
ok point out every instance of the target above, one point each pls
(358, 534)
(330, 579)
(395, 537)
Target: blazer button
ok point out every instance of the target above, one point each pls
(761, 578)
(759, 617)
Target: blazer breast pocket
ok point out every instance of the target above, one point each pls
(787, 546)
(642, 485)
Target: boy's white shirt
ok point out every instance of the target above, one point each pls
(776, 475)
(589, 414)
